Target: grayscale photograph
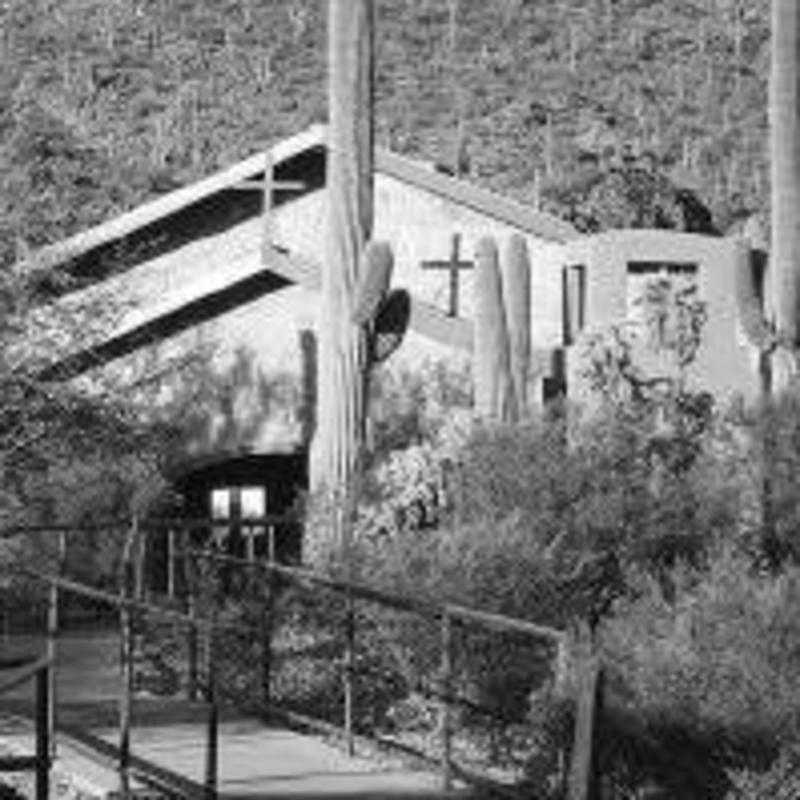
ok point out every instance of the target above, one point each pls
(399, 399)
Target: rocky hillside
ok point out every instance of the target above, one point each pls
(104, 103)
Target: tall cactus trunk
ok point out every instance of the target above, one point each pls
(349, 182)
(516, 277)
(784, 120)
(494, 396)
(376, 276)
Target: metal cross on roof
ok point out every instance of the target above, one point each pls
(268, 186)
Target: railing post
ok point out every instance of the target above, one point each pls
(349, 669)
(212, 724)
(140, 554)
(271, 543)
(52, 641)
(138, 618)
(581, 778)
(192, 647)
(126, 662)
(170, 563)
(208, 657)
(42, 738)
(445, 692)
(125, 699)
(250, 547)
(267, 628)
(191, 610)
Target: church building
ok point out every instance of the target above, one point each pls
(190, 272)
(213, 267)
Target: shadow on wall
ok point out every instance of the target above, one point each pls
(240, 408)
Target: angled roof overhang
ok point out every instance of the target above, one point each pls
(404, 169)
(211, 300)
(254, 277)
(172, 202)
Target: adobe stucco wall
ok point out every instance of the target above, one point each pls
(419, 226)
(727, 359)
(267, 332)
(257, 346)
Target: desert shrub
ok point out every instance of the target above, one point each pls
(777, 427)
(780, 782)
(410, 406)
(413, 489)
(499, 566)
(530, 521)
(647, 514)
(707, 679)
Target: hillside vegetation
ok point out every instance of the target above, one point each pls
(104, 103)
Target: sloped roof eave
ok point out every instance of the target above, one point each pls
(464, 193)
(407, 170)
(170, 203)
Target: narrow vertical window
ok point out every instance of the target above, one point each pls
(574, 301)
(253, 506)
(220, 510)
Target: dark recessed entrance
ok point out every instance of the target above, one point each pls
(235, 490)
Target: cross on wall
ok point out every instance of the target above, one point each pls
(268, 186)
(453, 265)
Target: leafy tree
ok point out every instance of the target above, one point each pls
(630, 197)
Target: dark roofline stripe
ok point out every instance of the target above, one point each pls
(165, 325)
(171, 202)
(284, 269)
(404, 169)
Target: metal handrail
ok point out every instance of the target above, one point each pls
(40, 762)
(153, 523)
(130, 599)
(30, 672)
(363, 591)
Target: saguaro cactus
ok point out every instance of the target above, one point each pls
(494, 396)
(516, 279)
(377, 263)
(784, 119)
(349, 186)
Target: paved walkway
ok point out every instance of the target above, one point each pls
(255, 760)
(74, 768)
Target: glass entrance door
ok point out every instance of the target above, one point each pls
(231, 508)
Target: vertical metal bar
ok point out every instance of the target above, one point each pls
(192, 649)
(250, 546)
(271, 543)
(267, 626)
(207, 656)
(42, 738)
(170, 563)
(191, 610)
(137, 617)
(140, 552)
(212, 729)
(126, 673)
(52, 643)
(581, 784)
(349, 670)
(445, 691)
